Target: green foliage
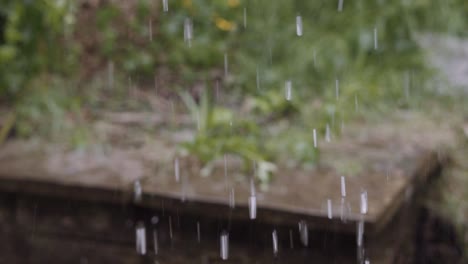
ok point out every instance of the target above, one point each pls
(218, 133)
(33, 31)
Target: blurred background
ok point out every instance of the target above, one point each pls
(249, 78)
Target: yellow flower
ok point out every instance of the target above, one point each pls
(224, 24)
(233, 3)
(187, 3)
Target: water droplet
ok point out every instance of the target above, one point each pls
(367, 261)
(314, 133)
(137, 191)
(360, 232)
(274, 236)
(140, 233)
(364, 207)
(376, 43)
(343, 186)
(224, 248)
(343, 211)
(253, 207)
(356, 103)
(288, 87)
(337, 89)
(258, 79)
(188, 31)
(150, 30)
(155, 241)
(198, 232)
(304, 233)
(299, 26)
(176, 170)
(154, 220)
(329, 209)
(232, 199)
(165, 5)
(225, 65)
(171, 235)
(315, 58)
(327, 133)
(340, 5)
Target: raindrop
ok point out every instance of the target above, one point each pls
(407, 84)
(364, 207)
(340, 5)
(315, 58)
(154, 221)
(287, 87)
(225, 65)
(165, 5)
(177, 170)
(171, 235)
(327, 133)
(299, 26)
(360, 233)
(137, 191)
(198, 232)
(304, 233)
(225, 171)
(188, 31)
(337, 89)
(367, 261)
(224, 241)
(232, 199)
(258, 79)
(343, 186)
(329, 209)
(314, 133)
(274, 236)
(253, 207)
(140, 238)
(343, 210)
(376, 44)
(150, 30)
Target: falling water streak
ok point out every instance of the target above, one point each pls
(245, 17)
(188, 31)
(225, 172)
(356, 103)
(364, 206)
(165, 5)
(137, 191)
(225, 65)
(367, 261)
(198, 232)
(170, 228)
(155, 221)
(360, 233)
(343, 210)
(140, 234)
(150, 30)
(341, 127)
(291, 239)
(340, 5)
(376, 43)
(177, 170)
(232, 198)
(304, 233)
(110, 75)
(253, 207)
(329, 209)
(274, 237)
(343, 186)
(258, 79)
(288, 87)
(314, 133)
(299, 26)
(224, 247)
(327, 133)
(337, 89)
(155, 242)
(315, 58)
